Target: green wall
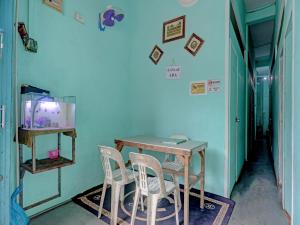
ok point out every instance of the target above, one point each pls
(164, 107)
(240, 13)
(275, 116)
(296, 169)
(6, 25)
(119, 91)
(286, 42)
(76, 59)
(237, 107)
(262, 107)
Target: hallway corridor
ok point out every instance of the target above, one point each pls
(256, 195)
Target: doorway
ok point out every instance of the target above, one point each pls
(236, 110)
(6, 37)
(287, 125)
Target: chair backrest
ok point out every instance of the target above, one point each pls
(144, 162)
(111, 154)
(170, 157)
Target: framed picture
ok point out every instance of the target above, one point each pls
(174, 29)
(55, 4)
(194, 44)
(198, 88)
(156, 54)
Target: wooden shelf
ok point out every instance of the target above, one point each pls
(34, 165)
(44, 165)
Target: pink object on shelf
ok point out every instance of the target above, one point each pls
(53, 154)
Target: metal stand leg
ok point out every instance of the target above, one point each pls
(21, 174)
(202, 178)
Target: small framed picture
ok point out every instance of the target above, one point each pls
(55, 4)
(174, 29)
(198, 88)
(194, 44)
(156, 54)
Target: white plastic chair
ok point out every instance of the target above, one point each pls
(154, 188)
(117, 178)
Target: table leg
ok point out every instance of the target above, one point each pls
(186, 190)
(202, 177)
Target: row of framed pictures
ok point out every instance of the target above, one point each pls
(192, 46)
(173, 30)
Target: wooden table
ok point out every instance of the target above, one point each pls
(183, 150)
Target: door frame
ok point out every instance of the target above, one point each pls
(289, 106)
(237, 116)
(281, 121)
(6, 99)
(234, 101)
(230, 131)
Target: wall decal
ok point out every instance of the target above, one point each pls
(187, 3)
(213, 86)
(174, 29)
(194, 44)
(156, 54)
(55, 4)
(198, 88)
(79, 18)
(109, 17)
(173, 72)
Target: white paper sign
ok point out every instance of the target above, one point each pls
(213, 86)
(173, 72)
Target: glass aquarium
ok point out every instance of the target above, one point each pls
(40, 111)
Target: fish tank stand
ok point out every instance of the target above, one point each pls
(34, 165)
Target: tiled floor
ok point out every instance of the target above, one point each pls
(256, 197)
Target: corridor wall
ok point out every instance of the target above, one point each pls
(283, 163)
(296, 156)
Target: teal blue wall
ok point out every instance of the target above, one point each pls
(262, 108)
(240, 13)
(163, 107)
(6, 134)
(119, 90)
(296, 196)
(237, 107)
(275, 115)
(76, 59)
(288, 123)
(259, 102)
(266, 105)
(237, 90)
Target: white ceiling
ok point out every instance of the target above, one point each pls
(252, 5)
